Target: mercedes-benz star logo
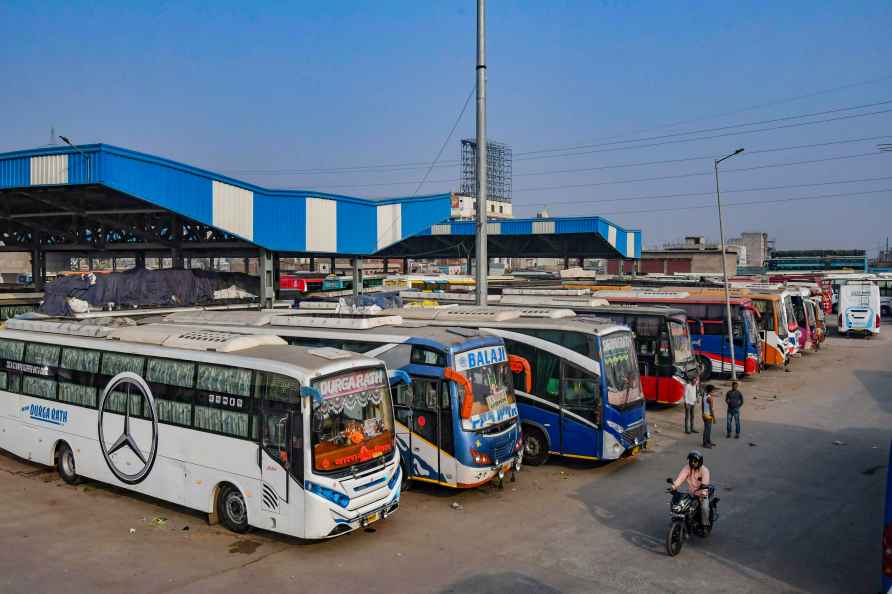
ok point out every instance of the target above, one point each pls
(127, 384)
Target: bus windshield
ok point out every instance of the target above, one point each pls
(492, 386)
(620, 369)
(353, 420)
(752, 335)
(790, 313)
(681, 341)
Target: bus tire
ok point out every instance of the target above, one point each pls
(406, 480)
(65, 464)
(535, 446)
(231, 509)
(705, 365)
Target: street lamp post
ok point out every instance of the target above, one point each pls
(82, 153)
(482, 192)
(718, 199)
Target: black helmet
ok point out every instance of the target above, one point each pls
(695, 459)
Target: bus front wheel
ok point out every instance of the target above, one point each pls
(232, 510)
(406, 480)
(535, 446)
(65, 464)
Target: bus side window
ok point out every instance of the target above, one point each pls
(695, 328)
(546, 370)
(424, 356)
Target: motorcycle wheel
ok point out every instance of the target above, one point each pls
(674, 539)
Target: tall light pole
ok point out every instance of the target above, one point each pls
(482, 256)
(82, 153)
(718, 199)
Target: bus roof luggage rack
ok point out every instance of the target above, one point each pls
(345, 322)
(56, 327)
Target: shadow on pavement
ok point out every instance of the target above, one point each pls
(878, 385)
(801, 506)
(499, 583)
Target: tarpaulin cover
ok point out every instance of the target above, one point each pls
(142, 288)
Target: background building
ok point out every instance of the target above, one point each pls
(757, 248)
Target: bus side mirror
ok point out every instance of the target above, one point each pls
(313, 393)
(520, 365)
(467, 399)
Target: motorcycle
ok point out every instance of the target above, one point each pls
(686, 520)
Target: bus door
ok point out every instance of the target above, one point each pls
(664, 367)
(580, 412)
(427, 427)
(403, 395)
(275, 457)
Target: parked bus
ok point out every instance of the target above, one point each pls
(585, 399)
(665, 355)
(799, 296)
(859, 308)
(245, 428)
(460, 429)
(707, 321)
(13, 304)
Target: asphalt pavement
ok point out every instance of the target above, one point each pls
(801, 510)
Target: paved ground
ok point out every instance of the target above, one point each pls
(801, 506)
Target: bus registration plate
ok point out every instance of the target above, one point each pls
(373, 517)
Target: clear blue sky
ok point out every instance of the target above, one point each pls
(246, 88)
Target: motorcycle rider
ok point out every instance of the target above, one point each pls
(696, 475)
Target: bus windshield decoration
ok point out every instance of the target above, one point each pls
(490, 376)
(623, 384)
(352, 422)
(681, 342)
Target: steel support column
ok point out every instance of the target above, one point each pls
(357, 280)
(267, 278)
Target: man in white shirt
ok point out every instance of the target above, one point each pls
(690, 405)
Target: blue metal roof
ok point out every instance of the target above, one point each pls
(277, 220)
(591, 237)
(299, 221)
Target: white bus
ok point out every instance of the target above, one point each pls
(859, 308)
(246, 428)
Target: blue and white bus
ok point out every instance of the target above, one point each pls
(252, 431)
(460, 428)
(585, 399)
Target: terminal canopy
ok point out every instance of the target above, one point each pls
(575, 237)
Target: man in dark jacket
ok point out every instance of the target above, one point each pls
(734, 400)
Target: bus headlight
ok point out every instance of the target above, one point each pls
(615, 426)
(338, 499)
(480, 458)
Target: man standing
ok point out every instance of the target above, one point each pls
(708, 415)
(734, 400)
(691, 395)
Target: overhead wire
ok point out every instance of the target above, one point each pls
(620, 165)
(752, 202)
(423, 164)
(711, 192)
(695, 174)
